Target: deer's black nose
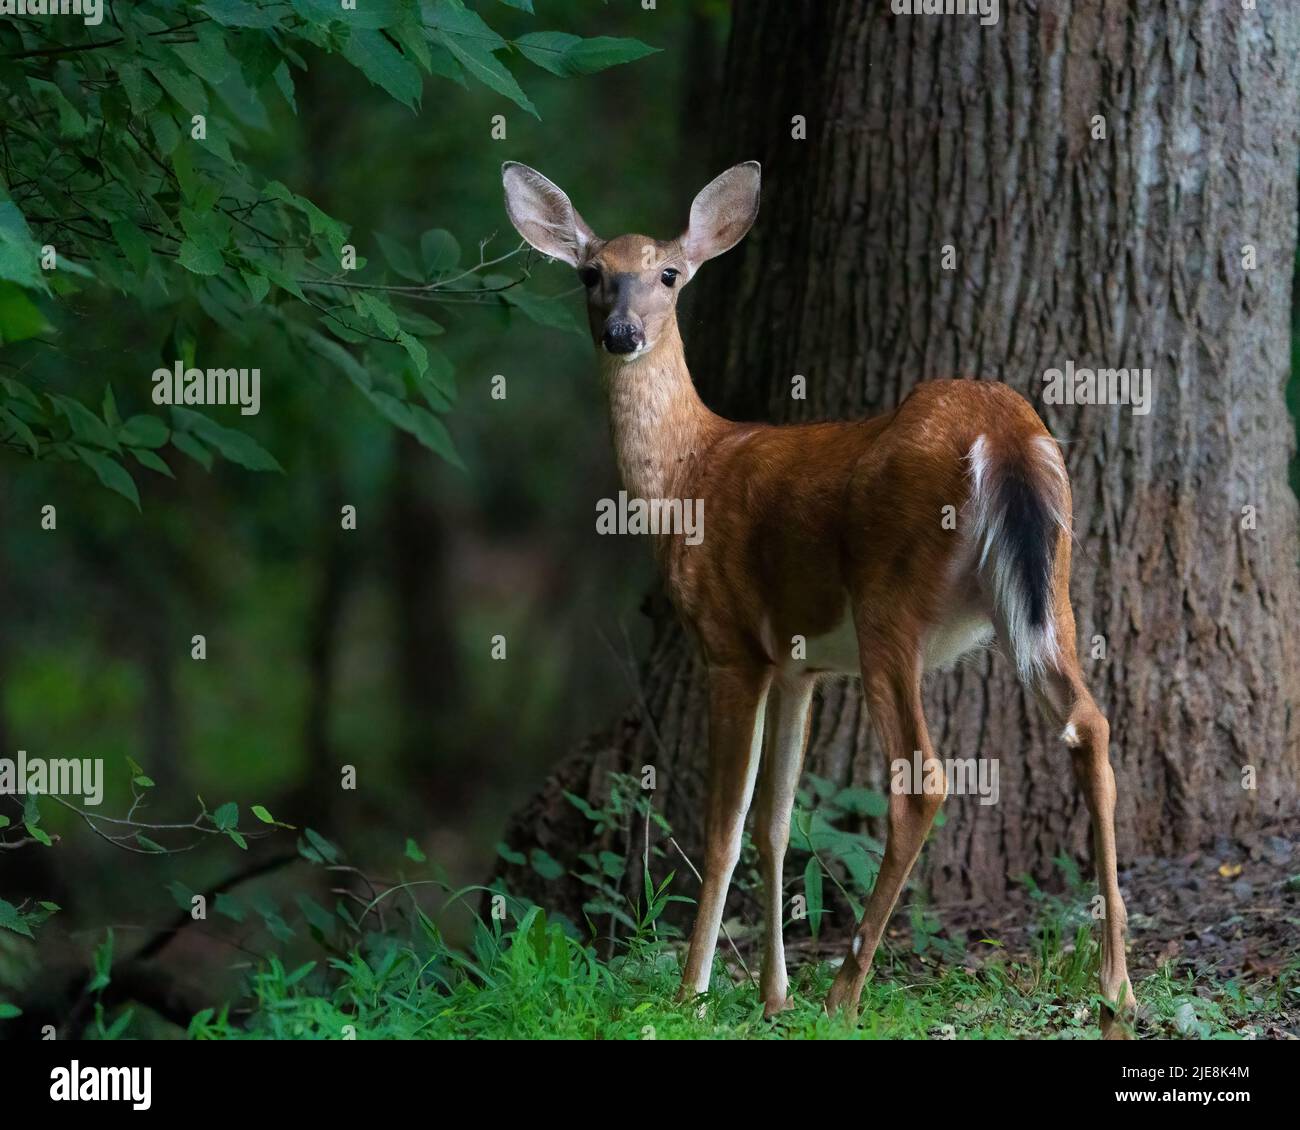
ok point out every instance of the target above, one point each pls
(622, 337)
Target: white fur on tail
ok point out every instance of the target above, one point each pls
(1016, 508)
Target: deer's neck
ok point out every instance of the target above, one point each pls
(659, 423)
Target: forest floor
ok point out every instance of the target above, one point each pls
(1213, 954)
(1223, 922)
(1231, 912)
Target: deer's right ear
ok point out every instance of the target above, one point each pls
(544, 215)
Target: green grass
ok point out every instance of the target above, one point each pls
(536, 982)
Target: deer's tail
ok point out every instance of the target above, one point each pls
(1019, 506)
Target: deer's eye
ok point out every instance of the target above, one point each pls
(669, 277)
(590, 276)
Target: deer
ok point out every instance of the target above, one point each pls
(831, 533)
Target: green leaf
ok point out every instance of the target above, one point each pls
(103, 964)
(38, 834)
(111, 418)
(144, 431)
(184, 89)
(399, 258)
(479, 61)
(567, 55)
(19, 254)
(152, 461)
(186, 444)
(229, 906)
(316, 916)
(135, 246)
(149, 845)
(182, 896)
(438, 383)
(208, 57)
(261, 813)
(323, 847)
(522, 5)
(232, 445)
(9, 1011)
(226, 816)
(20, 318)
(109, 472)
(433, 434)
(545, 865)
(72, 126)
(321, 224)
(379, 311)
(141, 91)
(332, 351)
(545, 311)
(85, 424)
(366, 13)
(201, 260)
(23, 432)
(237, 839)
(258, 285)
(384, 65)
(415, 349)
(11, 919)
(165, 131)
(440, 252)
(413, 851)
(510, 856)
(240, 13)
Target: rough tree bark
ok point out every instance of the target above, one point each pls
(1119, 251)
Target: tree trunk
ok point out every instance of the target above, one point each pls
(1117, 251)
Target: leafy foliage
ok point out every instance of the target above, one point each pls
(126, 167)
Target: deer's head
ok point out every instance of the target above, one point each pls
(632, 281)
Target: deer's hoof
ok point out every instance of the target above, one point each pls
(776, 1006)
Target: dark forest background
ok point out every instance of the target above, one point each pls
(371, 648)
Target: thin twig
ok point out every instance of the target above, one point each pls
(725, 932)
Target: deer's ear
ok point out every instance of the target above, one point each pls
(544, 215)
(722, 213)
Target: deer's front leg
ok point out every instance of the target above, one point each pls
(782, 761)
(737, 697)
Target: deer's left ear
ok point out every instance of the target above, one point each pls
(722, 213)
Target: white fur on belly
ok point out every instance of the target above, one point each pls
(837, 651)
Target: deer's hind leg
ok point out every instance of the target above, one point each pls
(1086, 734)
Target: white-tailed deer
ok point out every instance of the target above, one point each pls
(833, 533)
